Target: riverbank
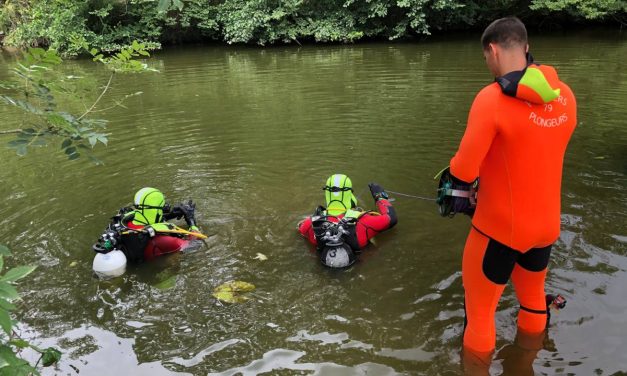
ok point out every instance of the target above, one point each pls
(67, 26)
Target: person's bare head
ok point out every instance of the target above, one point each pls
(504, 44)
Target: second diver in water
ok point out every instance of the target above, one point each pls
(341, 229)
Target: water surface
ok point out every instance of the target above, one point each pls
(251, 135)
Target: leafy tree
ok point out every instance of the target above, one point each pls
(587, 9)
(113, 25)
(45, 95)
(65, 25)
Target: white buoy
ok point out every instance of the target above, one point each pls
(111, 264)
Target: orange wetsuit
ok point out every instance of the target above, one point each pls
(517, 132)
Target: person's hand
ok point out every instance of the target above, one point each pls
(377, 192)
(189, 211)
(456, 195)
(175, 212)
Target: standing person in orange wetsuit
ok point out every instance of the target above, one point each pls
(341, 230)
(517, 132)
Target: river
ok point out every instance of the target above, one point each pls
(251, 134)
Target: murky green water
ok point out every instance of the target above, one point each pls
(251, 134)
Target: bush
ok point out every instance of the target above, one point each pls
(112, 25)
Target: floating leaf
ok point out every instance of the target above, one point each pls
(231, 292)
(73, 264)
(260, 257)
(167, 283)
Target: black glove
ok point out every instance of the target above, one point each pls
(455, 195)
(189, 210)
(377, 192)
(173, 212)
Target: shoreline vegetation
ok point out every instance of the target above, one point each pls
(111, 25)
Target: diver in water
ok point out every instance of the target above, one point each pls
(341, 229)
(142, 232)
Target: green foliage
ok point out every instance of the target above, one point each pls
(52, 23)
(39, 87)
(50, 356)
(35, 90)
(123, 61)
(64, 25)
(165, 5)
(10, 343)
(588, 9)
(112, 25)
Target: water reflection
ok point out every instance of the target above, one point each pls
(89, 350)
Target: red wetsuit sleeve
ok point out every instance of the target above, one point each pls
(480, 131)
(306, 230)
(370, 225)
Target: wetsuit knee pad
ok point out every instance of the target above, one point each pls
(498, 262)
(536, 259)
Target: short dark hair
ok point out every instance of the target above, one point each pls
(506, 32)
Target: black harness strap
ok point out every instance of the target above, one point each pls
(536, 311)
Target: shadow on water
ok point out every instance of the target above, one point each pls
(251, 135)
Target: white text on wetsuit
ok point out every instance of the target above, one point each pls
(552, 121)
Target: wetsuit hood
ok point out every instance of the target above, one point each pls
(338, 193)
(530, 84)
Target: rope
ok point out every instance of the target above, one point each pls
(412, 196)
